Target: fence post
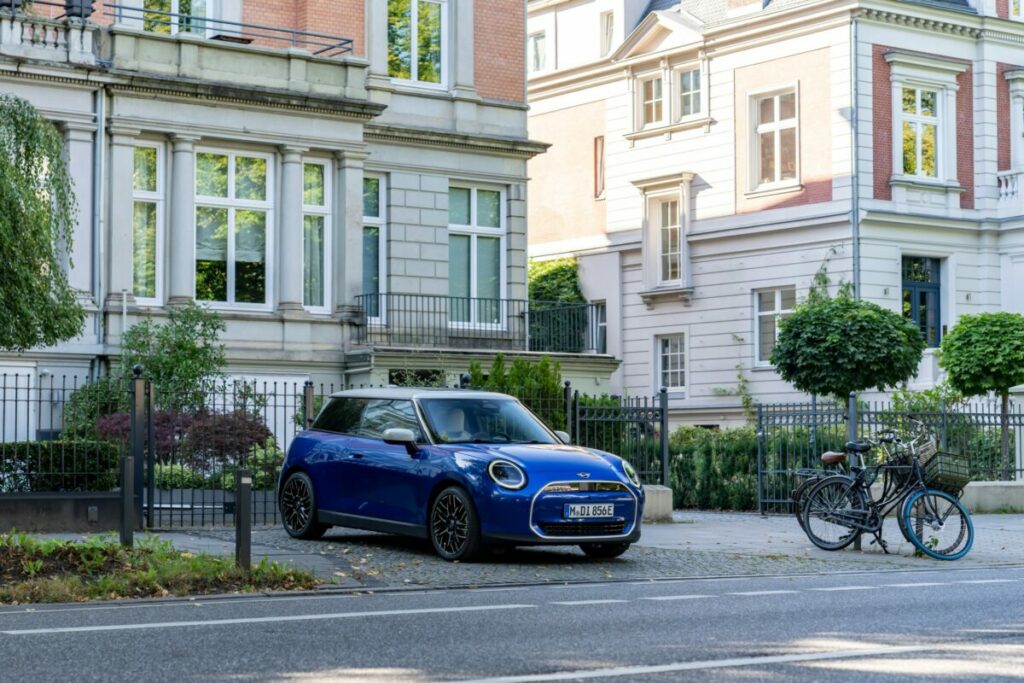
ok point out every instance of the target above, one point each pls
(663, 405)
(760, 459)
(243, 519)
(150, 458)
(576, 419)
(127, 501)
(567, 396)
(943, 437)
(138, 438)
(307, 403)
(851, 435)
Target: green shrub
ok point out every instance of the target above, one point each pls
(67, 465)
(90, 402)
(538, 384)
(263, 461)
(168, 477)
(712, 469)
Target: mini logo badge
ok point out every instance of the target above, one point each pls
(583, 475)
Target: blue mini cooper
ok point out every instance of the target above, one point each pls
(465, 469)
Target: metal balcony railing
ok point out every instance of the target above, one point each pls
(430, 321)
(158, 21)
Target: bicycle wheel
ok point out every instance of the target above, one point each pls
(832, 511)
(798, 498)
(938, 524)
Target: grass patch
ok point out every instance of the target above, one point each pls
(101, 569)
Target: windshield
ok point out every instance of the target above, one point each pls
(477, 420)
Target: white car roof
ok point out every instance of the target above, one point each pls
(411, 393)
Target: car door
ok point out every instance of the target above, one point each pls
(330, 454)
(389, 479)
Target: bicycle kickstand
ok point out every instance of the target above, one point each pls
(881, 543)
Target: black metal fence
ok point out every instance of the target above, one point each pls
(420, 320)
(793, 436)
(62, 435)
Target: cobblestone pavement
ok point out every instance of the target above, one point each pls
(356, 558)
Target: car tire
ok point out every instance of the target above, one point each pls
(454, 527)
(298, 508)
(604, 551)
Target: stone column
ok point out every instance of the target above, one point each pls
(376, 37)
(79, 140)
(181, 237)
(347, 262)
(289, 233)
(461, 47)
(119, 260)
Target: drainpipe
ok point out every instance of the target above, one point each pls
(97, 218)
(854, 176)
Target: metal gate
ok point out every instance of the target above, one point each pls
(635, 428)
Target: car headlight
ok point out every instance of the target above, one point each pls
(507, 475)
(631, 473)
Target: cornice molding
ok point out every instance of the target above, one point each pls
(516, 147)
(921, 23)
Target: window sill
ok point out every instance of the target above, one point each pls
(762, 367)
(925, 183)
(667, 130)
(668, 293)
(772, 190)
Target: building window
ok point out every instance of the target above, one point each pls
(316, 234)
(772, 306)
(416, 33)
(1017, 10)
(689, 93)
(607, 32)
(233, 227)
(650, 101)
(147, 222)
(672, 361)
(599, 166)
(537, 51)
(374, 228)
(600, 313)
(775, 139)
(922, 290)
(175, 16)
(476, 254)
(920, 125)
(669, 242)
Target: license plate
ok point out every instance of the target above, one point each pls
(590, 510)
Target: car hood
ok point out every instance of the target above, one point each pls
(546, 457)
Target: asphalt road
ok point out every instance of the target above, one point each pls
(945, 624)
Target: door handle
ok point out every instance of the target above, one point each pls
(357, 455)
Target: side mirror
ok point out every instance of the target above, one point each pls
(401, 437)
(563, 436)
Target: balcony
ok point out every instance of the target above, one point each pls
(1011, 199)
(444, 322)
(26, 34)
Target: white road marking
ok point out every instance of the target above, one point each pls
(915, 585)
(989, 581)
(754, 593)
(697, 666)
(843, 588)
(679, 597)
(257, 620)
(586, 602)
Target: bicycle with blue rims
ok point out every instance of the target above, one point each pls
(919, 483)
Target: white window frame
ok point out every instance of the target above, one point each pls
(232, 205)
(606, 35)
(679, 93)
(778, 312)
(327, 212)
(158, 198)
(475, 231)
(775, 127)
(175, 18)
(641, 102)
(656, 202)
(600, 166)
(381, 223)
(538, 61)
(1015, 13)
(659, 362)
(919, 120)
(413, 79)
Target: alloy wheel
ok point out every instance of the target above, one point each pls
(450, 523)
(297, 504)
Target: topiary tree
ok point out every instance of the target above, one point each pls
(556, 280)
(836, 346)
(37, 215)
(983, 353)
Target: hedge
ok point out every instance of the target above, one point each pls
(712, 469)
(65, 465)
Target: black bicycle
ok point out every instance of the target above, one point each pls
(921, 483)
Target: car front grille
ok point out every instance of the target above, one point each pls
(582, 528)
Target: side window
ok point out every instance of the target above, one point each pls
(382, 415)
(341, 415)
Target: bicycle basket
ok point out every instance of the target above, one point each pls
(947, 472)
(927, 451)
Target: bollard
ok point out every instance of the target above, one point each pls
(243, 519)
(127, 501)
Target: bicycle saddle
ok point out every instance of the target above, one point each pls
(857, 447)
(832, 457)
